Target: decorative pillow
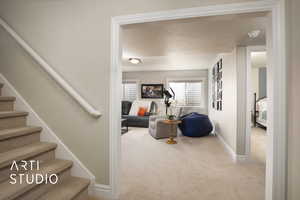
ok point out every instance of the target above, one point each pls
(142, 111)
(137, 104)
(147, 114)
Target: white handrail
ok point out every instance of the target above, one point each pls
(67, 87)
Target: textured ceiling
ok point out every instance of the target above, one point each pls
(189, 43)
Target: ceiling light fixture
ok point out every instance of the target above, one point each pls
(254, 34)
(135, 60)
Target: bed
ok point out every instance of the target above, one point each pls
(260, 118)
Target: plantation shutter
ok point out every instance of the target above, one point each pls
(129, 91)
(187, 93)
(193, 93)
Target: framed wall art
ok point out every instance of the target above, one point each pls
(217, 85)
(152, 91)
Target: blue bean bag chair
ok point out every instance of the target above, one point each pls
(195, 125)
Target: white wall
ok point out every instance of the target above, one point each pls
(225, 120)
(163, 76)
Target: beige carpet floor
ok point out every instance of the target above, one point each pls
(258, 145)
(193, 169)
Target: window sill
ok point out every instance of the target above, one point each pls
(191, 107)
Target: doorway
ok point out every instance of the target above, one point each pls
(276, 123)
(258, 102)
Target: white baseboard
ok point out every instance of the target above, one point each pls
(242, 158)
(235, 157)
(227, 147)
(102, 191)
(62, 151)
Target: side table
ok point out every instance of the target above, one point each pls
(173, 126)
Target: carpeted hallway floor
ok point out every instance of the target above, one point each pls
(258, 145)
(193, 169)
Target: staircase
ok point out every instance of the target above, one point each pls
(19, 142)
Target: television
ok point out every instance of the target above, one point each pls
(152, 91)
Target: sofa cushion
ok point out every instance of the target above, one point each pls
(137, 121)
(135, 118)
(126, 105)
(147, 114)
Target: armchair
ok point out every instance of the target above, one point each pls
(157, 128)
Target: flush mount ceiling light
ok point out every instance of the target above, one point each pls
(254, 34)
(135, 60)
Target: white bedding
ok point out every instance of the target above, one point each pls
(262, 112)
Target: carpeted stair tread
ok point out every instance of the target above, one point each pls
(7, 98)
(25, 152)
(22, 142)
(8, 114)
(20, 131)
(11, 191)
(67, 190)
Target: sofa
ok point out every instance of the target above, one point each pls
(133, 120)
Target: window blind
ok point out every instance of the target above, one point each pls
(129, 91)
(187, 93)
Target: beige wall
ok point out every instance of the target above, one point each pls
(294, 99)
(163, 76)
(225, 120)
(74, 37)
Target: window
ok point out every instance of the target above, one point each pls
(129, 91)
(187, 93)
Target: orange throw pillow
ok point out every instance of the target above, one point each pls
(142, 111)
